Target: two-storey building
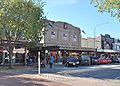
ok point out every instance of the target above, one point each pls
(61, 39)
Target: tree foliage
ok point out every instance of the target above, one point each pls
(110, 6)
(21, 20)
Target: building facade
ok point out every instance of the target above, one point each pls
(62, 34)
(61, 39)
(106, 41)
(104, 44)
(116, 45)
(89, 43)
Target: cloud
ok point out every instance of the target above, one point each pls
(61, 2)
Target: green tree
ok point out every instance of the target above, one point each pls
(21, 20)
(109, 6)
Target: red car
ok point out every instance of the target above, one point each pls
(105, 60)
(109, 60)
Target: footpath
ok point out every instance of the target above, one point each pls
(27, 76)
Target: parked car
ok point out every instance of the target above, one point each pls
(115, 60)
(105, 60)
(95, 60)
(118, 59)
(72, 61)
(85, 60)
(108, 60)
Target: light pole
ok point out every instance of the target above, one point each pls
(95, 37)
(39, 62)
(86, 37)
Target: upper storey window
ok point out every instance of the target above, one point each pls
(74, 38)
(52, 34)
(65, 25)
(64, 36)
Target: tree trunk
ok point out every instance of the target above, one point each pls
(10, 50)
(10, 57)
(25, 57)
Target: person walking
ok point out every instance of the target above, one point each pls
(52, 59)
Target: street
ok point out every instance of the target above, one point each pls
(105, 72)
(59, 75)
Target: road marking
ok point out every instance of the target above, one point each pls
(117, 77)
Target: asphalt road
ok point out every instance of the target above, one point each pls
(110, 71)
(102, 75)
(100, 72)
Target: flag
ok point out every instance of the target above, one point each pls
(50, 24)
(83, 31)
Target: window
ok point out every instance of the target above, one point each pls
(119, 47)
(52, 34)
(64, 36)
(65, 25)
(74, 38)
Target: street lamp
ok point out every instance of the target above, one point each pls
(94, 36)
(86, 37)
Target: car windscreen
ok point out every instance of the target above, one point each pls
(95, 58)
(72, 60)
(85, 58)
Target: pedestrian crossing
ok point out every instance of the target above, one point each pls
(56, 77)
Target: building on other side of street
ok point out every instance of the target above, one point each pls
(61, 39)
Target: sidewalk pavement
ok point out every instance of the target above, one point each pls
(25, 76)
(76, 81)
(28, 75)
(8, 79)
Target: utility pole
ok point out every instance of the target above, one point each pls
(95, 37)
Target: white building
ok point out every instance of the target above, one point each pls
(116, 46)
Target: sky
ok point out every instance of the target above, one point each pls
(84, 15)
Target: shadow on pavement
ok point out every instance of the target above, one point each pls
(10, 79)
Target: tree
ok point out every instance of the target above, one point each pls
(21, 20)
(110, 6)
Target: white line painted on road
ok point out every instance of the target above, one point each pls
(117, 77)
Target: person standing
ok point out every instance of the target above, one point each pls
(52, 59)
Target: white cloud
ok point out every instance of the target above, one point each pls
(61, 2)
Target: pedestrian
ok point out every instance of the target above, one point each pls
(34, 59)
(51, 61)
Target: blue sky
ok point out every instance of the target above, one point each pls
(82, 14)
